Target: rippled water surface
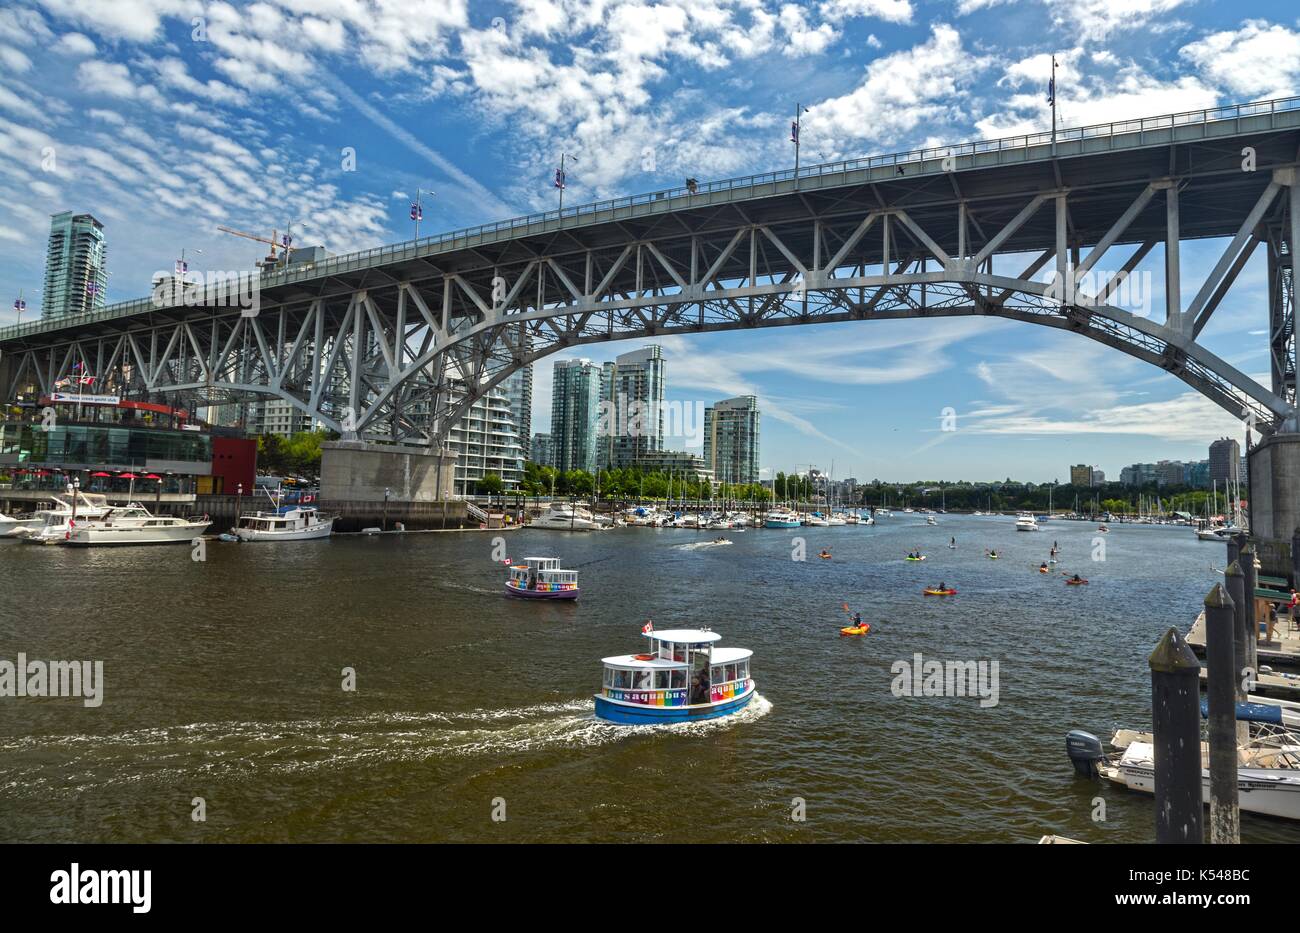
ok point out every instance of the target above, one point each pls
(223, 681)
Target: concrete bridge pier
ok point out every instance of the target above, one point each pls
(1274, 471)
(359, 471)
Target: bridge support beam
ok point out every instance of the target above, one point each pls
(357, 471)
(1274, 471)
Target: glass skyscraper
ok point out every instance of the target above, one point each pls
(731, 429)
(637, 413)
(76, 279)
(575, 410)
(518, 389)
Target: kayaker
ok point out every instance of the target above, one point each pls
(943, 587)
(1043, 566)
(857, 620)
(952, 542)
(1076, 578)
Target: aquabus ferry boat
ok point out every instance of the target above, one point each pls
(684, 676)
(542, 578)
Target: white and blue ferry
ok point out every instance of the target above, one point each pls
(684, 676)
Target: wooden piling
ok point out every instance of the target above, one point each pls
(1220, 649)
(1176, 722)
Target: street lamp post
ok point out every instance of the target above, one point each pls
(387, 493)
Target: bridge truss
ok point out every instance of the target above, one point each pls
(399, 350)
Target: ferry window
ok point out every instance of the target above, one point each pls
(609, 677)
(715, 675)
(731, 672)
(661, 680)
(679, 680)
(679, 652)
(623, 680)
(742, 670)
(642, 680)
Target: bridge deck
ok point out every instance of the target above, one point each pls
(1103, 166)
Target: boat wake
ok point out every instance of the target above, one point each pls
(700, 544)
(43, 765)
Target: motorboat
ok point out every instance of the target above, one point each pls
(287, 523)
(816, 520)
(134, 524)
(563, 516)
(55, 523)
(684, 676)
(1268, 763)
(781, 518)
(9, 524)
(930, 520)
(1025, 521)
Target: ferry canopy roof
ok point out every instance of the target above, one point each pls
(730, 655)
(630, 662)
(684, 635)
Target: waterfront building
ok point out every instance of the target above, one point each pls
(1197, 474)
(575, 410)
(1081, 475)
(1170, 472)
(276, 416)
(1225, 461)
(1098, 477)
(1138, 474)
(636, 410)
(518, 389)
(675, 462)
(76, 277)
(604, 432)
(119, 448)
(541, 450)
(485, 440)
(731, 433)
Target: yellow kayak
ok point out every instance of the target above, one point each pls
(856, 629)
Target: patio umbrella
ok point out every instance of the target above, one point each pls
(101, 474)
(130, 491)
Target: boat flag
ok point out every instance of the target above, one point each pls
(648, 627)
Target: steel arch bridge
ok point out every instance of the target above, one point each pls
(395, 344)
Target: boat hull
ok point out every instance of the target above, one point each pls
(132, 537)
(1259, 790)
(540, 594)
(317, 532)
(640, 715)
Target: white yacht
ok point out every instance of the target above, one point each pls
(561, 516)
(291, 523)
(816, 520)
(1025, 521)
(9, 524)
(54, 523)
(134, 524)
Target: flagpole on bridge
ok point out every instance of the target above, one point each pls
(1051, 99)
(799, 110)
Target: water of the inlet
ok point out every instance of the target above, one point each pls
(223, 681)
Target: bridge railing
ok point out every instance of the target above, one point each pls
(442, 241)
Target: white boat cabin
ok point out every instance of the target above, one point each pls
(683, 667)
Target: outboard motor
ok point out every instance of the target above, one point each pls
(1085, 752)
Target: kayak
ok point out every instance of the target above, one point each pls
(824, 556)
(1075, 582)
(856, 629)
(993, 556)
(1043, 570)
(939, 592)
(914, 558)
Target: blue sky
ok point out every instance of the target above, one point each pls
(165, 118)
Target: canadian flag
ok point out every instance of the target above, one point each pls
(648, 627)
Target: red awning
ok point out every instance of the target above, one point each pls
(101, 473)
(151, 476)
(127, 476)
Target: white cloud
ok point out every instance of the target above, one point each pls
(1097, 19)
(136, 20)
(894, 11)
(922, 87)
(13, 60)
(1258, 60)
(74, 43)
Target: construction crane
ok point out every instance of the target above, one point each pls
(273, 259)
